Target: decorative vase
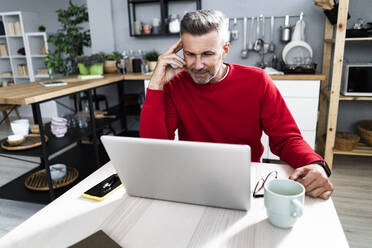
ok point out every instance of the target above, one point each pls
(109, 66)
(83, 69)
(152, 65)
(96, 69)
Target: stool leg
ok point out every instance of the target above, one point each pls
(17, 113)
(106, 102)
(6, 117)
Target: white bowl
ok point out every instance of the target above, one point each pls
(57, 171)
(20, 127)
(15, 139)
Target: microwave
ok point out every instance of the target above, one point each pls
(357, 80)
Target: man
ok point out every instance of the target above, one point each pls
(211, 101)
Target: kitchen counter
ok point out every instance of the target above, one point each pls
(299, 77)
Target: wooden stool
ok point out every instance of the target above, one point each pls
(6, 107)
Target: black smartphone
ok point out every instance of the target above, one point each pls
(104, 188)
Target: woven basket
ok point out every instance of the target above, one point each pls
(365, 131)
(346, 141)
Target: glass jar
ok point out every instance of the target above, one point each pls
(174, 24)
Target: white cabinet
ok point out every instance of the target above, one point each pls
(14, 66)
(302, 98)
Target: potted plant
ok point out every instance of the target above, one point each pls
(90, 65)
(68, 42)
(110, 61)
(152, 58)
(41, 28)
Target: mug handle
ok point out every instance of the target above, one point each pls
(298, 208)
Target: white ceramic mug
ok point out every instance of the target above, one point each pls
(284, 201)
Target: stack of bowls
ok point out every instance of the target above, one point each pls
(59, 126)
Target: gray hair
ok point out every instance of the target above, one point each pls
(201, 22)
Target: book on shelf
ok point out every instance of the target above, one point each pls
(7, 74)
(8, 29)
(22, 70)
(13, 28)
(3, 50)
(43, 50)
(42, 72)
(17, 28)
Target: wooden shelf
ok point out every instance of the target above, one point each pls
(360, 150)
(298, 77)
(347, 98)
(350, 39)
(358, 39)
(355, 98)
(155, 35)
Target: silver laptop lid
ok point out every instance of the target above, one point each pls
(191, 172)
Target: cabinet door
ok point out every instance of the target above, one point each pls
(302, 99)
(304, 111)
(298, 89)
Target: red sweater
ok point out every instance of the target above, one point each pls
(235, 110)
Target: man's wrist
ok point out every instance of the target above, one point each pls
(153, 86)
(324, 166)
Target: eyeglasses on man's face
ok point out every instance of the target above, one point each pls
(261, 183)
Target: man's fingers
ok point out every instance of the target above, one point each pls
(312, 176)
(310, 187)
(174, 48)
(326, 195)
(299, 172)
(179, 46)
(317, 192)
(173, 62)
(176, 57)
(323, 191)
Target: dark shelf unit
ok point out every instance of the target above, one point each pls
(74, 157)
(16, 190)
(164, 9)
(73, 135)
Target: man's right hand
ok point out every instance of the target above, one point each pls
(164, 72)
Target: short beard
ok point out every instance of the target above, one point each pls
(209, 78)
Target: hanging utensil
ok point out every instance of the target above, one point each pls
(272, 44)
(228, 33)
(258, 43)
(285, 32)
(235, 32)
(265, 44)
(251, 31)
(244, 51)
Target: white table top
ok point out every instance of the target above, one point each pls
(138, 222)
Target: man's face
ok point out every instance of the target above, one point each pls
(204, 55)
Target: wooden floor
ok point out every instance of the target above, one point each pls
(352, 177)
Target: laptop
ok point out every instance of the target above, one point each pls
(210, 174)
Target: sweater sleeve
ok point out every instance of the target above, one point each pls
(158, 116)
(285, 138)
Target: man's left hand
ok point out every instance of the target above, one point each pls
(314, 179)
